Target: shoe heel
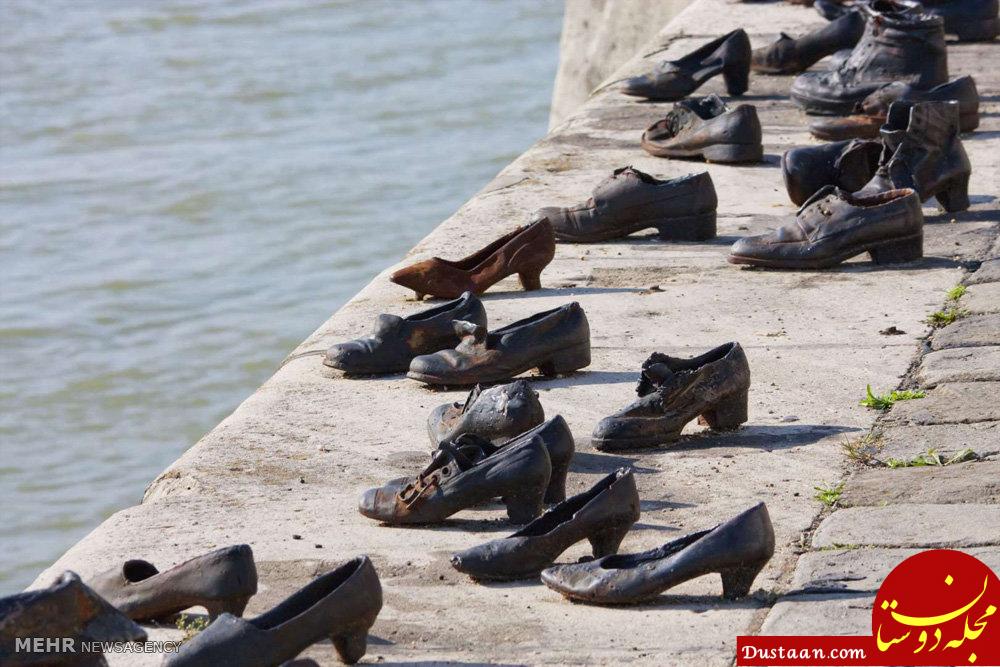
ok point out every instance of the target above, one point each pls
(734, 153)
(606, 542)
(530, 281)
(736, 581)
(736, 77)
(897, 252)
(955, 195)
(351, 646)
(525, 505)
(556, 491)
(728, 413)
(567, 361)
(234, 606)
(698, 227)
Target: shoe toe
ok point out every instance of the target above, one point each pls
(371, 503)
(639, 86)
(749, 246)
(342, 356)
(424, 365)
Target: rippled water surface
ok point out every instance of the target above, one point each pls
(189, 189)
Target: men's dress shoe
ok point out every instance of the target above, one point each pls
(921, 150)
(673, 391)
(790, 56)
(846, 164)
(969, 20)
(456, 480)
(220, 581)
(397, 340)
(874, 109)
(676, 79)
(341, 605)
(525, 251)
(68, 610)
(602, 515)
(900, 46)
(681, 209)
(555, 342)
(496, 414)
(737, 549)
(834, 226)
(706, 127)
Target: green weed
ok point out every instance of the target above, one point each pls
(886, 401)
(932, 458)
(829, 495)
(191, 626)
(956, 292)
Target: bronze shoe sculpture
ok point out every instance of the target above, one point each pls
(629, 201)
(737, 549)
(525, 251)
(705, 127)
(921, 150)
(602, 515)
(68, 613)
(555, 342)
(672, 80)
(968, 20)
(455, 480)
(834, 226)
(790, 56)
(340, 605)
(872, 112)
(496, 414)
(672, 392)
(220, 581)
(397, 340)
(847, 164)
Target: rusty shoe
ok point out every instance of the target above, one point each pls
(629, 201)
(705, 127)
(737, 550)
(66, 610)
(834, 226)
(496, 414)
(849, 165)
(555, 342)
(457, 479)
(397, 340)
(340, 605)
(220, 581)
(524, 251)
(790, 56)
(672, 80)
(672, 392)
(602, 515)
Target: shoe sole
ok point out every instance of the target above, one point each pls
(563, 362)
(723, 153)
(895, 251)
(696, 227)
(628, 444)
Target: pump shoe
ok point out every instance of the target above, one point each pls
(847, 164)
(525, 251)
(555, 342)
(737, 549)
(496, 414)
(673, 391)
(455, 480)
(602, 515)
(220, 581)
(834, 226)
(706, 127)
(874, 109)
(921, 150)
(790, 56)
(629, 201)
(397, 340)
(341, 605)
(672, 80)
(66, 610)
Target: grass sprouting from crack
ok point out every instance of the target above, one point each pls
(191, 626)
(942, 318)
(829, 495)
(886, 401)
(932, 458)
(956, 292)
(864, 450)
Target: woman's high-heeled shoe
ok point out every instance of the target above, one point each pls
(737, 549)
(341, 605)
(603, 515)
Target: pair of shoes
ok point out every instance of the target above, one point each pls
(629, 201)
(789, 55)
(873, 111)
(526, 251)
(525, 472)
(728, 55)
(706, 127)
(919, 149)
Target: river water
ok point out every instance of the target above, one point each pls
(187, 189)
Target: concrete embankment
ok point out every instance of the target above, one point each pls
(284, 471)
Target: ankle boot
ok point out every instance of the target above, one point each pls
(921, 150)
(790, 56)
(896, 46)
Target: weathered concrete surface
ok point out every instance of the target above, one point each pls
(906, 442)
(988, 272)
(969, 482)
(821, 614)
(984, 298)
(973, 331)
(960, 364)
(951, 403)
(292, 459)
(928, 526)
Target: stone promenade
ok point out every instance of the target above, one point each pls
(284, 471)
